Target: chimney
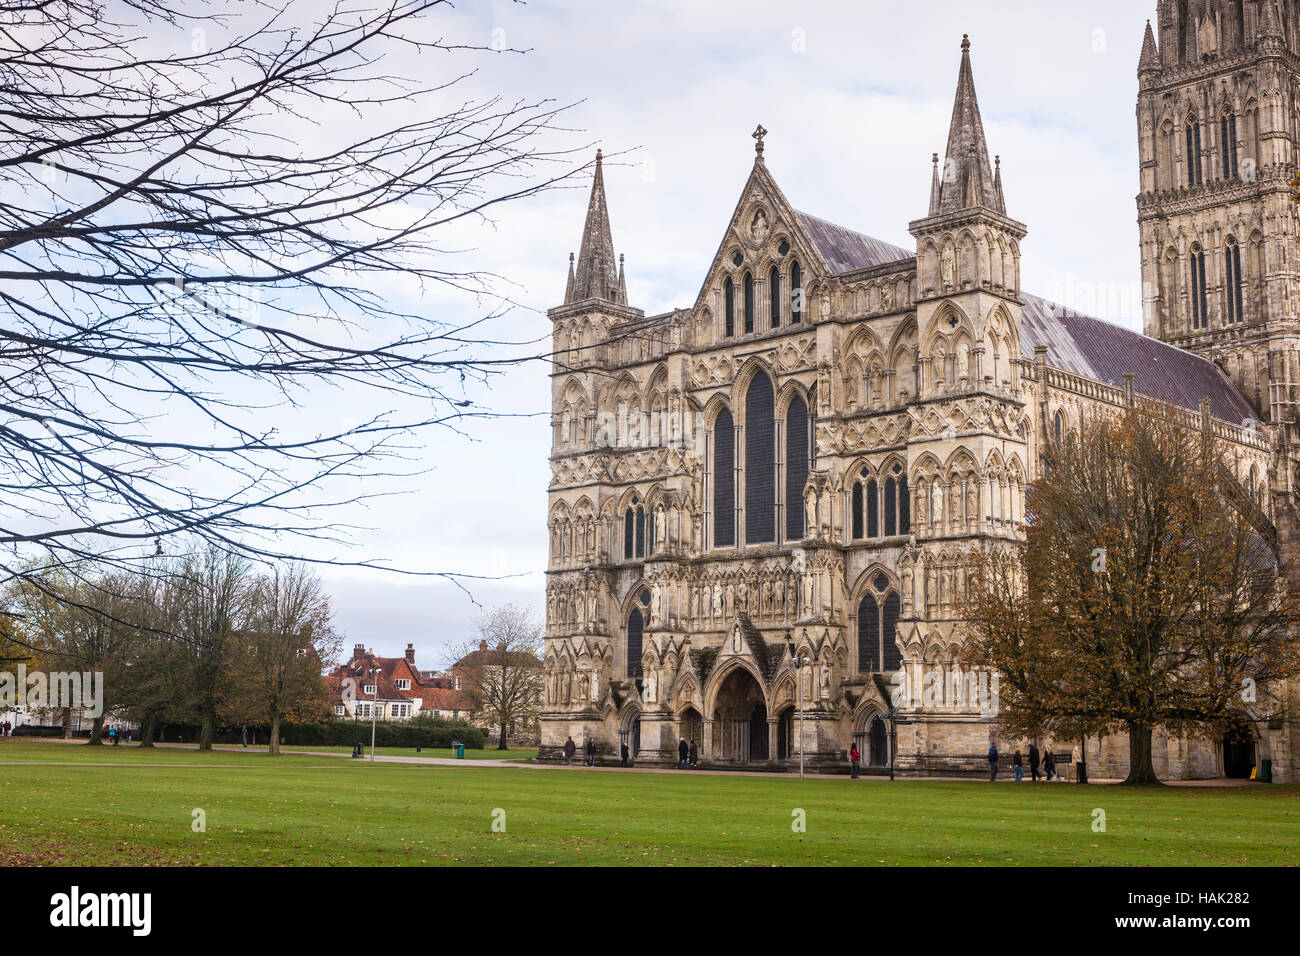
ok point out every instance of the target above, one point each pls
(358, 651)
(482, 645)
(410, 654)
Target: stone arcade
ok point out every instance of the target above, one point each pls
(763, 507)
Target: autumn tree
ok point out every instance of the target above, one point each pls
(288, 642)
(1147, 593)
(502, 672)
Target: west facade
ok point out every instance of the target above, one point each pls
(764, 506)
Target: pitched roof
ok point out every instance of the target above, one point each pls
(1104, 351)
(845, 250)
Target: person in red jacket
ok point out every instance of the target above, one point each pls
(855, 758)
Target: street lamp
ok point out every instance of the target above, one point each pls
(374, 714)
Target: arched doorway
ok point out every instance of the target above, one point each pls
(630, 734)
(690, 726)
(1238, 749)
(741, 712)
(785, 734)
(878, 742)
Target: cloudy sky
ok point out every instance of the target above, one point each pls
(855, 96)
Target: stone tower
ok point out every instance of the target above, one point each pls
(1217, 127)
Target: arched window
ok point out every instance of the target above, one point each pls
(760, 462)
(857, 510)
(796, 466)
(891, 507)
(1200, 301)
(1232, 282)
(904, 504)
(724, 480)
(1058, 426)
(774, 296)
(868, 635)
(634, 530)
(1228, 140)
(635, 624)
(749, 303)
(893, 658)
(1195, 176)
(873, 509)
(796, 294)
(729, 308)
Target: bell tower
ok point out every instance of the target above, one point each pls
(1217, 117)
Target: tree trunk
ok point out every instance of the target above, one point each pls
(207, 732)
(146, 731)
(501, 741)
(96, 731)
(1140, 769)
(67, 723)
(275, 730)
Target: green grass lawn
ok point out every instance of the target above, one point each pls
(65, 804)
(514, 755)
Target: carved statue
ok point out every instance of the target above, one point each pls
(808, 594)
(649, 688)
(656, 604)
(887, 298)
(947, 266)
(963, 362)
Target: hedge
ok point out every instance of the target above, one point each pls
(437, 735)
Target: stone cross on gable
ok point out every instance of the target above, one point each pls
(758, 135)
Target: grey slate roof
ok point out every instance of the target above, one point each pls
(847, 251)
(1104, 351)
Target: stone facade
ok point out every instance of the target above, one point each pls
(763, 507)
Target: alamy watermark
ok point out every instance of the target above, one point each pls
(53, 690)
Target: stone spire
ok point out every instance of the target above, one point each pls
(1150, 59)
(936, 187)
(1270, 23)
(596, 277)
(967, 175)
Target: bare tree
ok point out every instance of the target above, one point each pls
(502, 673)
(204, 221)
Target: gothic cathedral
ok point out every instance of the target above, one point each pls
(763, 507)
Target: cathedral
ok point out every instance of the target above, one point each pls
(763, 507)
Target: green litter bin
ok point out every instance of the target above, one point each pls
(460, 751)
(1266, 771)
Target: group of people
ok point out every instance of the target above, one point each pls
(1047, 761)
(6, 729)
(688, 755)
(115, 734)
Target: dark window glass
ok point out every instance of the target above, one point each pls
(857, 510)
(1200, 300)
(1228, 136)
(729, 308)
(629, 533)
(774, 296)
(650, 532)
(1195, 177)
(749, 303)
(891, 506)
(796, 467)
(640, 532)
(868, 635)
(724, 480)
(760, 462)
(634, 627)
(873, 509)
(889, 624)
(904, 507)
(796, 294)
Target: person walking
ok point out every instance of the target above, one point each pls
(623, 753)
(855, 759)
(243, 735)
(1033, 763)
(1049, 765)
(694, 754)
(1018, 766)
(570, 748)
(683, 754)
(591, 751)
(993, 762)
